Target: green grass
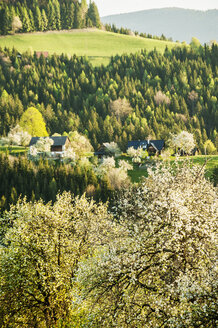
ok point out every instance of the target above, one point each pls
(210, 161)
(97, 45)
(13, 149)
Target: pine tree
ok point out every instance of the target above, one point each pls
(5, 20)
(44, 21)
(51, 16)
(57, 14)
(84, 10)
(93, 15)
(38, 19)
(25, 20)
(77, 16)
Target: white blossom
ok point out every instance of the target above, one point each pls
(134, 152)
(183, 141)
(113, 148)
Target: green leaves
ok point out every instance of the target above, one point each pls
(43, 246)
(33, 122)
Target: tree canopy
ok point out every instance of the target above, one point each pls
(29, 16)
(33, 122)
(39, 258)
(136, 96)
(159, 268)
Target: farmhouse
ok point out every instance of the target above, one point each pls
(60, 144)
(152, 146)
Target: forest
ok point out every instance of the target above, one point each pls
(44, 180)
(134, 97)
(29, 16)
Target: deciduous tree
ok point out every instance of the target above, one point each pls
(159, 269)
(33, 122)
(39, 256)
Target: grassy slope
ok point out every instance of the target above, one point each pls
(13, 149)
(210, 161)
(95, 44)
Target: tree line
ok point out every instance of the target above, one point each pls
(135, 97)
(122, 30)
(30, 16)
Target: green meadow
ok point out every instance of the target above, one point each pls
(97, 45)
(13, 150)
(210, 162)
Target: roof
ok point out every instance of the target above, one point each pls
(58, 141)
(157, 144)
(137, 144)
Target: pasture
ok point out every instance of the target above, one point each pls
(97, 45)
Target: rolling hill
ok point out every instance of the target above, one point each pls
(180, 24)
(97, 45)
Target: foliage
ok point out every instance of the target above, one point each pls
(195, 43)
(112, 148)
(159, 268)
(134, 153)
(120, 108)
(42, 246)
(79, 143)
(76, 96)
(69, 155)
(43, 179)
(116, 176)
(16, 24)
(37, 15)
(209, 147)
(183, 142)
(161, 98)
(17, 136)
(33, 122)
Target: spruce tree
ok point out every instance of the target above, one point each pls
(93, 15)
(51, 16)
(78, 16)
(25, 20)
(57, 14)
(38, 19)
(84, 10)
(6, 20)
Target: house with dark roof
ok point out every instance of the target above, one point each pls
(60, 144)
(152, 146)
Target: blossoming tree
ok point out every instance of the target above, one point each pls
(160, 268)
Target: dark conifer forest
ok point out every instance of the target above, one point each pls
(40, 15)
(166, 93)
(44, 180)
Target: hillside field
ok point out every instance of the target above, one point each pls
(97, 45)
(210, 162)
